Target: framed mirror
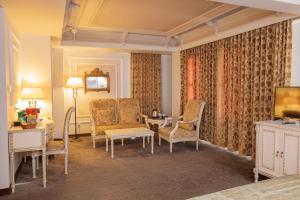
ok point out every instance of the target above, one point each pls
(96, 81)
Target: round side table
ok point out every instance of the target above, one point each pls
(155, 123)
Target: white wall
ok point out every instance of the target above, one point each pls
(295, 79)
(74, 61)
(36, 67)
(4, 164)
(166, 84)
(9, 88)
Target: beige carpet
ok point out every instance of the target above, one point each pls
(135, 173)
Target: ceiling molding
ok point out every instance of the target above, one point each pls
(132, 47)
(285, 6)
(122, 30)
(213, 23)
(96, 10)
(124, 37)
(271, 19)
(206, 17)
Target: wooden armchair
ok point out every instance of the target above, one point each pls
(187, 126)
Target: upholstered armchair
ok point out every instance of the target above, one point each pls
(186, 126)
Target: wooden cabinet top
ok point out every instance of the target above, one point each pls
(280, 124)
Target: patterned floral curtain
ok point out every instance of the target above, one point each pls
(255, 63)
(237, 77)
(198, 71)
(145, 80)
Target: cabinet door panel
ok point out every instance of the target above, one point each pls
(268, 150)
(291, 153)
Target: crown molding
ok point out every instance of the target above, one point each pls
(201, 19)
(270, 19)
(120, 46)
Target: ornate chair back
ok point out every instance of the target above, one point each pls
(203, 103)
(128, 110)
(66, 127)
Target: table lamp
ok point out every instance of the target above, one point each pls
(32, 94)
(75, 83)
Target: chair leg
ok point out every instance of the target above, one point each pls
(159, 141)
(47, 160)
(94, 143)
(171, 147)
(33, 163)
(197, 145)
(66, 163)
(37, 160)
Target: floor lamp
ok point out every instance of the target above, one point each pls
(75, 83)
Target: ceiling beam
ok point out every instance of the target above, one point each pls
(122, 30)
(206, 17)
(119, 46)
(285, 6)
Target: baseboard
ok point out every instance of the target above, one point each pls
(5, 191)
(80, 135)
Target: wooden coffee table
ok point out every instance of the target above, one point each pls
(116, 134)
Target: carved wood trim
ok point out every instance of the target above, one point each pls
(96, 73)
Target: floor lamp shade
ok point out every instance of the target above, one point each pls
(74, 82)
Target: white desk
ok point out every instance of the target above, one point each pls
(26, 140)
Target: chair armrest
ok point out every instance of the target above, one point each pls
(169, 120)
(187, 122)
(143, 116)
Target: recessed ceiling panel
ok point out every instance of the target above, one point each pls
(159, 15)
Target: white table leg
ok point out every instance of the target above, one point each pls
(37, 162)
(152, 144)
(144, 142)
(112, 147)
(12, 171)
(256, 175)
(122, 140)
(106, 143)
(44, 167)
(148, 139)
(33, 163)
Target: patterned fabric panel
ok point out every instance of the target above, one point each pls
(180, 133)
(237, 77)
(104, 117)
(128, 110)
(282, 188)
(100, 129)
(146, 80)
(103, 104)
(191, 112)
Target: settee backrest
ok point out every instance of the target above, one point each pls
(125, 109)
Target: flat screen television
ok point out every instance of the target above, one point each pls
(287, 102)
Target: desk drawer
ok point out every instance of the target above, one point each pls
(24, 140)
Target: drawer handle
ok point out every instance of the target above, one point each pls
(277, 153)
(281, 154)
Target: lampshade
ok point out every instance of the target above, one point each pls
(32, 93)
(74, 82)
